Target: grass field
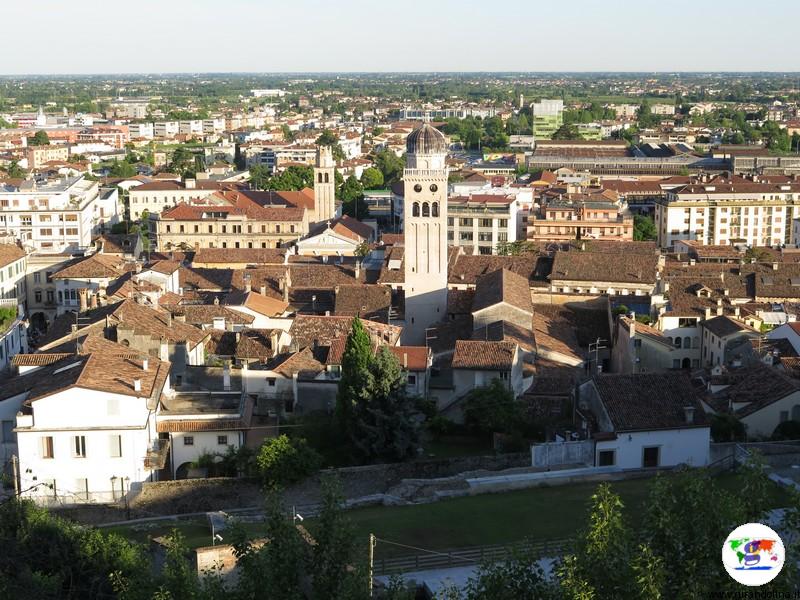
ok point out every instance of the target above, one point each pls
(539, 513)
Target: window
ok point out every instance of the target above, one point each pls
(484, 222)
(415, 209)
(435, 208)
(606, 458)
(188, 440)
(411, 379)
(222, 440)
(271, 381)
(504, 375)
(426, 209)
(79, 446)
(47, 446)
(650, 457)
(676, 363)
(37, 295)
(37, 277)
(115, 446)
(465, 222)
(434, 188)
(50, 296)
(8, 432)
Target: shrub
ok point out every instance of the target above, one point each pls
(283, 460)
(788, 430)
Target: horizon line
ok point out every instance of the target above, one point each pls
(415, 72)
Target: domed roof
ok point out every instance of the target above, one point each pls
(426, 140)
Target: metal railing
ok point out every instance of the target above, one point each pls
(468, 556)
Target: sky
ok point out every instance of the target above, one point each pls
(180, 36)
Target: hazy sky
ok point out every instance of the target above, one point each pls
(108, 36)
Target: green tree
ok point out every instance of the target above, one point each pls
(372, 179)
(355, 374)
(352, 196)
(566, 132)
(727, 428)
(288, 134)
(518, 576)
(644, 228)
(390, 165)
(260, 176)
(14, 170)
(492, 408)
(295, 177)
(40, 138)
(336, 574)
(386, 420)
(283, 460)
(601, 565)
(275, 569)
(328, 138)
(122, 169)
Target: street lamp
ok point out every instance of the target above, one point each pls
(125, 489)
(113, 488)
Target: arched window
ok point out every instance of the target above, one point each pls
(319, 177)
(796, 412)
(687, 342)
(426, 209)
(415, 210)
(327, 178)
(677, 342)
(435, 209)
(695, 342)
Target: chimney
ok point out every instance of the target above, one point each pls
(145, 364)
(708, 313)
(273, 338)
(191, 184)
(688, 413)
(82, 295)
(169, 319)
(691, 262)
(216, 301)
(137, 385)
(226, 377)
(138, 267)
(726, 292)
(263, 290)
(358, 268)
(247, 286)
(93, 300)
(720, 310)
(774, 266)
(736, 311)
(405, 360)
(286, 291)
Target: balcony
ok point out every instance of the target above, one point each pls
(156, 457)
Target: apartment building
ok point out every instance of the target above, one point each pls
(481, 221)
(39, 155)
(581, 216)
(83, 436)
(157, 196)
(58, 214)
(166, 129)
(548, 116)
(141, 130)
(717, 211)
(242, 223)
(13, 336)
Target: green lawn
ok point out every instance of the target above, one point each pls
(539, 513)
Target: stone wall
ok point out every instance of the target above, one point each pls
(202, 495)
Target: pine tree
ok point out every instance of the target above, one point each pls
(355, 372)
(386, 421)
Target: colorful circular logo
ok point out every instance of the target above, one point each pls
(753, 554)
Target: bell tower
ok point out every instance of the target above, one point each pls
(324, 185)
(425, 232)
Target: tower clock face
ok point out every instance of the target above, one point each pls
(434, 187)
(418, 188)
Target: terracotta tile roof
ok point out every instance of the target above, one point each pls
(38, 360)
(413, 358)
(221, 343)
(255, 344)
(347, 226)
(166, 267)
(170, 299)
(489, 356)
(554, 331)
(459, 302)
(594, 267)
(724, 326)
(228, 256)
(290, 364)
(465, 269)
(759, 386)
(117, 243)
(502, 286)
(101, 371)
(96, 266)
(205, 279)
(312, 330)
(204, 314)
(650, 401)
(366, 301)
(143, 320)
(504, 331)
